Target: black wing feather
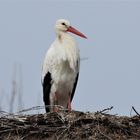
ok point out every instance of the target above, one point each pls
(74, 86)
(46, 90)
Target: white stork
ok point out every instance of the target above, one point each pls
(61, 68)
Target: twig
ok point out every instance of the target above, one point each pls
(135, 111)
(106, 109)
(98, 126)
(30, 109)
(14, 89)
(41, 107)
(63, 132)
(84, 58)
(61, 117)
(7, 130)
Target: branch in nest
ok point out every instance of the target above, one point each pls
(135, 111)
(106, 109)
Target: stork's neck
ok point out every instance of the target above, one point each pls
(64, 36)
(67, 48)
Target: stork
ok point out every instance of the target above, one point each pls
(61, 68)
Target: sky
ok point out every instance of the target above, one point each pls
(110, 57)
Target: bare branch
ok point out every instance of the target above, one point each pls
(106, 110)
(14, 89)
(135, 111)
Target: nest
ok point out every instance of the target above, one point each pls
(69, 126)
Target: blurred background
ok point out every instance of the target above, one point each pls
(110, 58)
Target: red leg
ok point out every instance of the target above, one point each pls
(55, 108)
(69, 104)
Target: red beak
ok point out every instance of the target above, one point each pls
(75, 31)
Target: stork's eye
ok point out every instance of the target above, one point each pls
(63, 24)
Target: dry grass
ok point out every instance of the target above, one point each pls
(69, 126)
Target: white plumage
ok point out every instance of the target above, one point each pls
(61, 68)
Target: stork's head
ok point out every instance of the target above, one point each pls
(63, 25)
